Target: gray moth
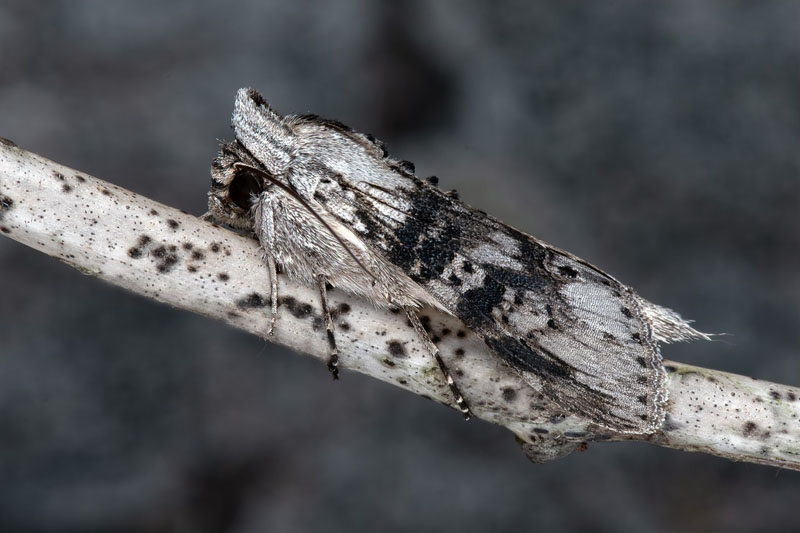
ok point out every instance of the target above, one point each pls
(331, 208)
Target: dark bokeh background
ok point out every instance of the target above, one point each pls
(659, 141)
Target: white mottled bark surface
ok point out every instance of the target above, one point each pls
(733, 416)
(176, 258)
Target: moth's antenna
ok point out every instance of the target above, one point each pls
(291, 192)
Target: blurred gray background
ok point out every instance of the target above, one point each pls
(659, 141)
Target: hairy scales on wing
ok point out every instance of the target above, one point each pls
(575, 333)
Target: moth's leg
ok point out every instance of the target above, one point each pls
(264, 217)
(461, 403)
(273, 293)
(333, 352)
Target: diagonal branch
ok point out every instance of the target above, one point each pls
(176, 258)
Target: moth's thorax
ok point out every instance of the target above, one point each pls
(263, 132)
(296, 214)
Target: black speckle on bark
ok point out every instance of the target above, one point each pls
(297, 309)
(396, 348)
(6, 203)
(509, 394)
(251, 301)
(167, 258)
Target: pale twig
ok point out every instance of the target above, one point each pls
(176, 258)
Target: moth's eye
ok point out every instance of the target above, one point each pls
(244, 185)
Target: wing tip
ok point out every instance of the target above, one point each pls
(668, 326)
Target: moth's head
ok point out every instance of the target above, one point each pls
(299, 151)
(264, 141)
(233, 189)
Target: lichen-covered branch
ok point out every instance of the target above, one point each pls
(176, 258)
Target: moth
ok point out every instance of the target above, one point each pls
(331, 208)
